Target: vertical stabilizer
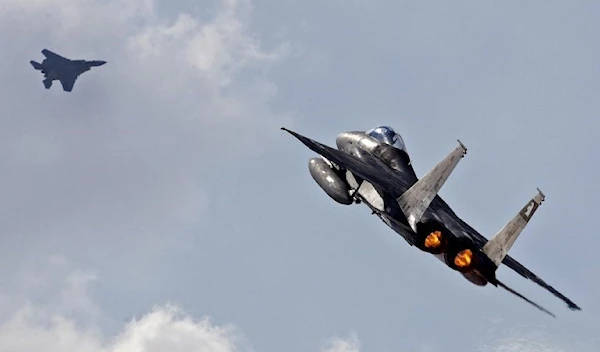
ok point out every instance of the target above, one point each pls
(498, 246)
(417, 198)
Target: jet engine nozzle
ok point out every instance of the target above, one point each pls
(462, 256)
(464, 259)
(436, 237)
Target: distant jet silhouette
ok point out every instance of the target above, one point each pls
(56, 67)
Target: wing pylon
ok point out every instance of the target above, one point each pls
(415, 201)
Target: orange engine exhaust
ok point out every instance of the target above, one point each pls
(435, 237)
(434, 240)
(463, 259)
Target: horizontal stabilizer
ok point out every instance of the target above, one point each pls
(36, 65)
(526, 273)
(415, 201)
(525, 298)
(498, 246)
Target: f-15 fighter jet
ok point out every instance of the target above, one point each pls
(374, 168)
(56, 67)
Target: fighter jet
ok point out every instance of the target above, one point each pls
(374, 168)
(56, 67)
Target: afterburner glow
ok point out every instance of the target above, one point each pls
(433, 240)
(463, 259)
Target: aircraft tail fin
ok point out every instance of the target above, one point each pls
(36, 65)
(415, 201)
(498, 246)
(47, 83)
(525, 298)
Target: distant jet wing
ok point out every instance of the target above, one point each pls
(68, 81)
(368, 167)
(519, 268)
(50, 55)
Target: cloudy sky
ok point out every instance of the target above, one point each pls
(158, 207)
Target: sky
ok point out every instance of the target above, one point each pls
(158, 207)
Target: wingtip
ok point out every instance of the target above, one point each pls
(462, 146)
(541, 194)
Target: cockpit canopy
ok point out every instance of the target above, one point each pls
(387, 135)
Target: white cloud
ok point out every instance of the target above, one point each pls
(165, 329)
(521, 344)
(338, 344)
(53, 327)
(530, 341)
(56, 312)
(50, 283)
(121, 161)
(115, 170)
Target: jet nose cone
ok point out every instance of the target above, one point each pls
(100, 63)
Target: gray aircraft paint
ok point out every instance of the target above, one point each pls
(329, 181)
(417, 198)
(364, 160)
(499, 245)
(56, 67)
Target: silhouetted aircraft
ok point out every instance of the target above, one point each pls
(56, 67)
(374, 168)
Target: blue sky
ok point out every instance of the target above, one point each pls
(158, 207)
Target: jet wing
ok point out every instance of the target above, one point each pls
(68, 81)
(370, 169)
(50, 55)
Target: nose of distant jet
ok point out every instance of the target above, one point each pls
(97, 63)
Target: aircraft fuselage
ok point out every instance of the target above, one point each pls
(56, 67)
(383, 204)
